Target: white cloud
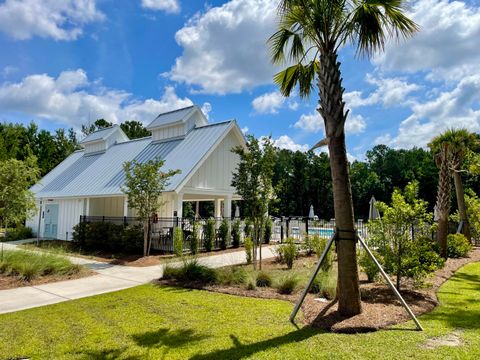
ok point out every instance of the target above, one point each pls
(206, 108)
(456, 108)
(389, 92)
(169, 6)
(244, 130)
(285, 142)
(224, 48)
(72, 99)
(447, 41)
(313, 122)
(60, 20)
(268, 103)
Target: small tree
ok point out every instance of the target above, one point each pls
(194, 238)
(236, 233)
(17, 202)
(178, 241)
(253, 182)
(144, 184)
(401, 236)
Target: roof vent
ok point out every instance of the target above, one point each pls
(177, 123)
(101, 140)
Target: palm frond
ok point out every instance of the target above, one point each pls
(300, 74)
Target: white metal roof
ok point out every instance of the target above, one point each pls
(102, 134)
(175, 117)
(102, 174)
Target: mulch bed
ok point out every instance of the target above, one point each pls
(10, 282)
(380, 307)
(155, 258)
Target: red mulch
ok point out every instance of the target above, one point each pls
(380, 307)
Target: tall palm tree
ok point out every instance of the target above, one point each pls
(459, 142)
(310, 34)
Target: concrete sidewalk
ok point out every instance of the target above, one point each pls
(110, 278)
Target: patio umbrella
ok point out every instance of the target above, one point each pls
(373, 212)
(237, 211)
(311, 214)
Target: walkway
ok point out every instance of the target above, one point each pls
(109, 278)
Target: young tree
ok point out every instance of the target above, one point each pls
(324, 26)
(16, 200)
(144, 184)
(253, 182)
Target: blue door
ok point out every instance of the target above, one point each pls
(51, 221)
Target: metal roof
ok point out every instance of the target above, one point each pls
(102, 174)
(101, 134)
(172, 117)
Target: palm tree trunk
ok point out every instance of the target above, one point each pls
(462, 209)
(443, 201)
(332, 111)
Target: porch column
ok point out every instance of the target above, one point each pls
(125, 206)
(178, 204)
(227, 207)
(218, 208)
(87, 207)
(197, 209)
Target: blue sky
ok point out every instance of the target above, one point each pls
(64, 63)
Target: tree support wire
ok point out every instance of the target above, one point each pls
(384, 274)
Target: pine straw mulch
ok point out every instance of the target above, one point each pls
(380, 307)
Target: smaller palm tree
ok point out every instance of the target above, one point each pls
(458, 142)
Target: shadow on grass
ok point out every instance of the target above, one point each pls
(240, 351)
(166, 337)
(107, 354)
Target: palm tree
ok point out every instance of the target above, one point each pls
(444, 190)
(458, 141)
(310, 34)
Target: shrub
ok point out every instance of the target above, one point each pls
(248, 244)
(368, 266)
(251, 284)
(236, 234)
(209, 235)
(287, 284)
(99, 236)
(224, 233)
(263, 279)
(235, 275)
(287, 252)
(310, 243)
(178, 241)
(325, 284)
(194, 238)
(458, 246)
(267, 234)
(319, 245)
(28, 265)
(18, 233)
(132, 239)
(191, 271)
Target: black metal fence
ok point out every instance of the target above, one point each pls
(162, 229)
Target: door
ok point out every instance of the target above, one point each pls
(51, 221)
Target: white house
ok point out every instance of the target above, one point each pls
(89, 181)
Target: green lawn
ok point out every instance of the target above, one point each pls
(148, 322)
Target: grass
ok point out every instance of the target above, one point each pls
(27, 265)
(149, 322)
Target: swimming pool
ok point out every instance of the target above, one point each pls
(315, 231)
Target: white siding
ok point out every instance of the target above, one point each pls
(168, 132)
(69, 211)
(216, 171)
(166, 210)
(95, 147)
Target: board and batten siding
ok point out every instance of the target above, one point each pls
(106, 206)
(69, 211)
(168, 132)
(216, 171)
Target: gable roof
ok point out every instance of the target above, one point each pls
(103, 134)
(175, 117)
(102, 174)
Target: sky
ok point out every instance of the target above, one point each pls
(67, 63)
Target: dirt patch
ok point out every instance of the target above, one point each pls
(10, 282)
(380, 306)
(452, 340)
